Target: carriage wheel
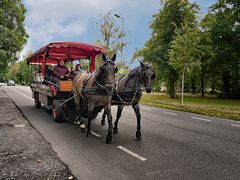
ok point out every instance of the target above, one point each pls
(57, 112)
(36, 101)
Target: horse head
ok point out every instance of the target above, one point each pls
(146, 76)
(107, 71)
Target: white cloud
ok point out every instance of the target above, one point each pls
(62, 20)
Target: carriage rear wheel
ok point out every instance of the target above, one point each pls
(36, 101)
(57, 112)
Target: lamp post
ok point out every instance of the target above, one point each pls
(116, 15)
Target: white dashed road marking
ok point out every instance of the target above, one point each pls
(132, 153)
(22, 94)
(235, 125)
(169, 113)
(19, 125)
(201, 119)
(95, 134)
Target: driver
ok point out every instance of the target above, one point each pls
(61, 71)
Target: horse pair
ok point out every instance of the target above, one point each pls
(99, 91)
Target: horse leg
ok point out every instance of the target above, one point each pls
(138, 115)
(77, 105)
(103, 118)
(119, 113)
(110, 125)
(77, 120)
(90, 111)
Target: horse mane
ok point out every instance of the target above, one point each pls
(132, 73)
(97, 75)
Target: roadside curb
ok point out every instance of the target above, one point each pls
(24, 152)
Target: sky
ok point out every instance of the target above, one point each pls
(75, 20)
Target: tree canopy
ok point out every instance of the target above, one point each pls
(12, 32)
(164, 25)
(111, 38)
(223, 24)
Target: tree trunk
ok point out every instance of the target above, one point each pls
(173, 84)
(213, 87)
(226, 77)
(193, 85)
(202, 85)
(202, 79)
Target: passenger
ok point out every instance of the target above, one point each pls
(78, 69)
(61, 71)
(49, 73)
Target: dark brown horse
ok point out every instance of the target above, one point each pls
(94, 92)
(129, 92)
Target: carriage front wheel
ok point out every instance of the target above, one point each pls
(57, 112)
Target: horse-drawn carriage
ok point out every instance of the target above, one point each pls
(87, 94)
(57, 97)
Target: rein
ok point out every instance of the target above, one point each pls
(135, 90)
(102, 90)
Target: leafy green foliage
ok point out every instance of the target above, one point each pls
(24, 73)
(12, 32)
(20, 71)
(184, 53)
(112, 40)
(13, 71)
(111, 35)
(123, 68)
(164, 25)
(223, 24)
(191, 50)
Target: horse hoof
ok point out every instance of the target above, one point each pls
(103, 123)
(109, 139)
(88, 133)
(115, 130)
(138, 136)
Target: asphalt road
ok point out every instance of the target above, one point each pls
(175, 145)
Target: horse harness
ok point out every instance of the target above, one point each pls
(102, 90)
(133, 93)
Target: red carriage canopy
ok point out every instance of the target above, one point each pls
(67, 51)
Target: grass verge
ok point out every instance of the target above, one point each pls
(209, 105)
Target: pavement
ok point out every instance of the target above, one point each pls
(175, 145)
(24, 153)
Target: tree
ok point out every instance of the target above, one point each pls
(184, 53)
(191, 49)
(13, 71)
(20, 71)
(12, 32)
(110, 35)
(223, 24)
(123, 68)
(164, 24)
(23, 73)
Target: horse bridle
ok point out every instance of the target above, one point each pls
(145, 68)
(107, 83)
(141, 79)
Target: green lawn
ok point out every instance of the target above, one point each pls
(210, 105)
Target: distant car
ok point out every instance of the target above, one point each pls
(11, 83)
